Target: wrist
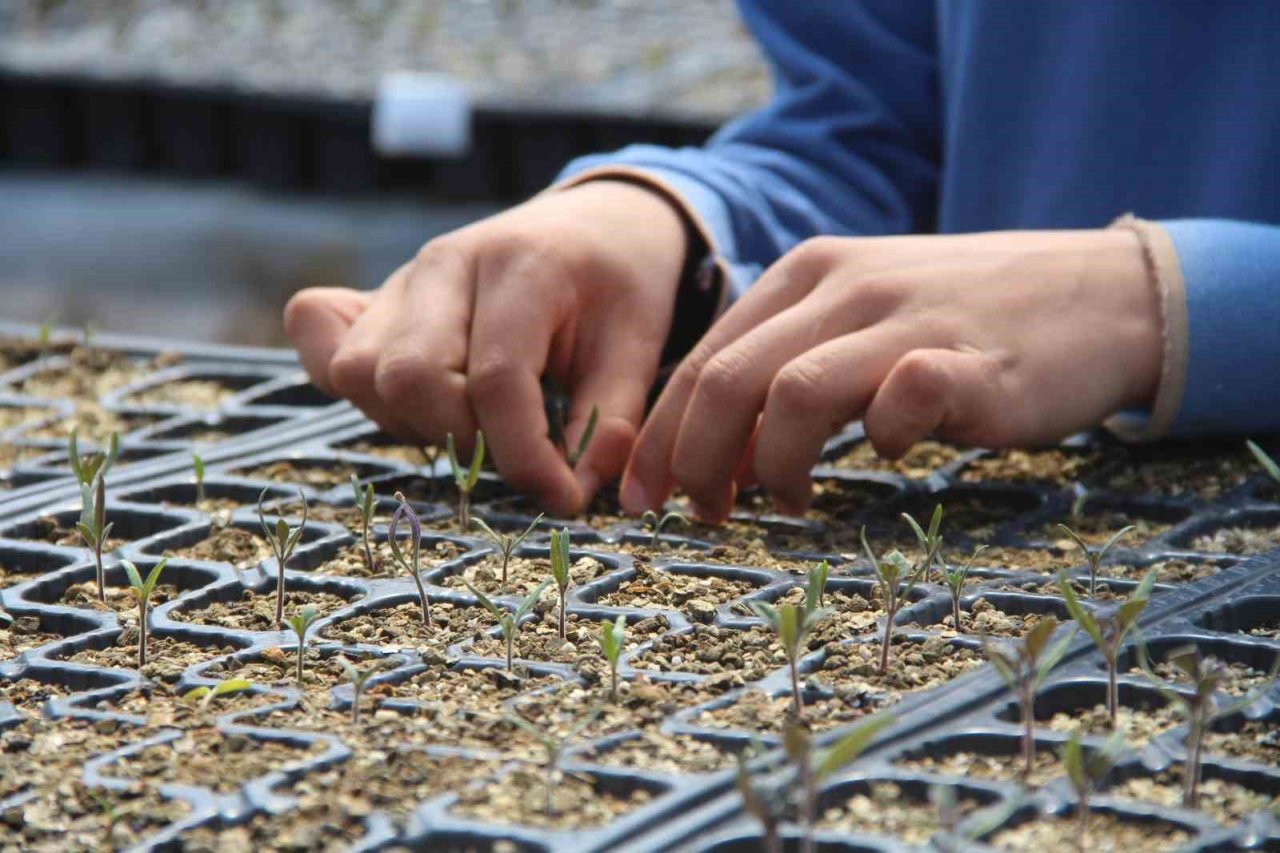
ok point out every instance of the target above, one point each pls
(1130, 296)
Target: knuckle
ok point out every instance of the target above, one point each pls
(921, 381)
(800, 385)
(399, 374)
(815, 254)
(441, 251)
(490, 373)
(351, 370)
(723, 377)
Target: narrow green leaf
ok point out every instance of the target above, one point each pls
(1264, 459)
(1073, 763)
(921, 536)
(1110, 543)
(1080, 543)
(586, 436)
(485, 601)
(935, 522)
(851, 745)
(477, 460)
(231, 685)
(131, 572)
(1051, 658)
(530, 600)
(153, 577)
(198, 464)
(1083, 618)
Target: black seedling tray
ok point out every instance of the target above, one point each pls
(695, 585)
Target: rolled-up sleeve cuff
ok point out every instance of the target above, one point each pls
(1164, 272)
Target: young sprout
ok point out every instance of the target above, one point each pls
(560, 565)
(592, 418)
(1205, 676)
(792, 625)
(1264, 459)
(509, 623)
(812, 767)
(465, 478)
(45, 333)
(896, 578)
(358, 679)
(301, 623)
(365, 506)
(553, 745)
(612, 635)
(651, 521)
(412, 564)
(1108, 634)
(204, 694)
(1024, 666)
(431, 453)
(283, 540)
(93, 526)
(142, 590)
(506, 543)
(955, 579)
(1093, 555)
(198, 465)
(930, 540)
(1086, 773)
(91, 465)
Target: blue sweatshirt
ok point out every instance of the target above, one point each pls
(900, 116)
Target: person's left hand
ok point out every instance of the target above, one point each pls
(989, 339)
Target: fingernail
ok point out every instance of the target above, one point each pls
(633, 497)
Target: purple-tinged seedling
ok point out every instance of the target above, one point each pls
(1109, 633)
(612, 637)
(413, 563)
(365, 507)
(93, 527)
(508, 622)
(141, 591)
(1087, 770)
(283, 539)
(955, 579)
(506, 543)
(86, 468)
(560, 573)
(1094, 556)
(896, 577)
(300, 624)
(465, 478)
(1024, 666)
(793, 624)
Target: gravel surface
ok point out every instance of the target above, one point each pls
(646, 56)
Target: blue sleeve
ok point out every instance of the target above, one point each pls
(1231, 276)
(848, 144)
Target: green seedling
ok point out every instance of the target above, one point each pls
(1108, 634)
(1086, 771)
(1024, 666)
(300, 624)
(612, 636)
(93, 527)
(197, 464)
(792, 625)
(1264, 459)
(896, 577)
(358, 679)
(506, 543)
(508, 622)
(1094, 556)
(930, 540)
(556, 407)
(951, 837)
(813, 767)
(87, 333)
(560, 566)
(651, 521)
(761, 803)
(1205, 675)
(955, 579)
(413, 563)
(142, 590)
(90, 465)
(554, 746)
(365, 506)
(585, 440)
(204, 694)
(283, 540)
(465, 478)
(112, 812)
(45, 333)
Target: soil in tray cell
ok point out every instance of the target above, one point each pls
(13, 416)
(29, 695)
(163, 706)
(1106, 834)
(659, 753)
(758, 712)
(257, 611)
(641, 704)
(43, 754)
(837, 503)
(202, 395)
(15, 352)
(919, 462)
(1054, 466)
(1139, 726)
(348, 516)
(21, 635)
(332, 803)
(1017, 559)
(167, 657)
(853, 669)
(1171, 570)
(1096, 528)
(405, 454)
(707, 649)
(211, 759)
(91, 374)
(12, 454)
(884, 810)
(535, 796)
(984, 618)
(322, 476)
(1239, 678)
(540, 641)
(350, 561)
(523, 574)
(242, 548)
(1256, 740)
(1079, 584)
(92, 423)
(981, 765)
(1206, 476)
(1243, 540)
(84, 595)
(1226, 802)
(696, 595)
(51, 530)
(852, 613)
(400, 626)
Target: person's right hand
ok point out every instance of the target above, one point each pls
(577, 284)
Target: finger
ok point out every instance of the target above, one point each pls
(744, 475)
(730, 393)
(619, 374)
(648, 480)
(353, 365)
(511, 335)
(811, 398)
(954, 394)
(315, 319)
(421, 366)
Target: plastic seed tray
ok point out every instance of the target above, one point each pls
(96, 751)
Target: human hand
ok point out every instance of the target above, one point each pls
(987, 339)
(577, 284)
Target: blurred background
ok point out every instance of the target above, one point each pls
(181, 168)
